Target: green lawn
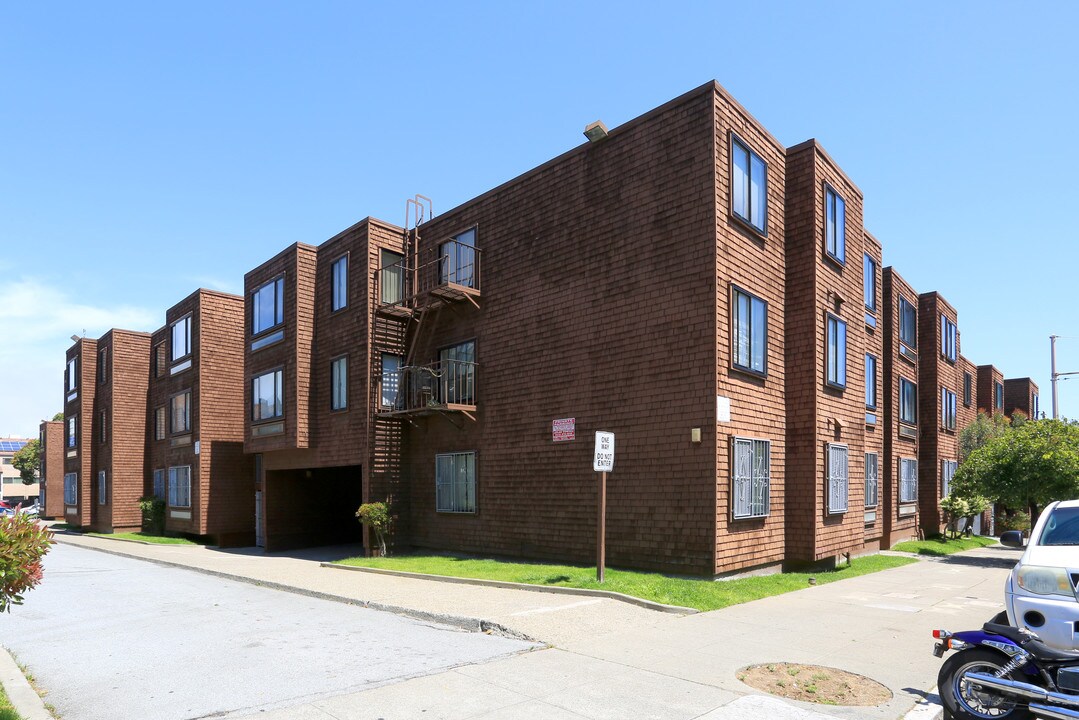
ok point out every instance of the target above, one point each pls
(702, 594)
(7, 712)
(145, 537)
(938, 546)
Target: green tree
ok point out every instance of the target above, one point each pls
(982, 430)
(1027, 466)
(376, 516)
(28, 462)
(58, 416)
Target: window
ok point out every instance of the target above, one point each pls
(180, 486)
(870, 382)
(339, 284)
(998, 396)
(103, 366)
(159, 483)
(391, 380)
(72, 375)
(751, 476)
(181, 338)
(458, 366)
(160, 366)
(455, 482)
(968, 383)
(869, 283)
(457, 260)
(159, 423)
(268, 306)
(180, 412)
(908, 480)
(750, 331)
(908, 324)
(947, 409)
(102, 491)
(103, 426)
(836, 353)
(947, 338)
(749, 186)
(947, 473)
(71, 488)
(837, 478)
(266, 397)
(392, 277)
(1034, 406)
(872, 480)
(835, 225)
(72, 437)
(339, 383)
(908, 402)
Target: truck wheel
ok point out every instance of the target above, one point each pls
(965, 702)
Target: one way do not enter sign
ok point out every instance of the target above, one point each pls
(604, 457)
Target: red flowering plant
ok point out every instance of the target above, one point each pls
(23, 543)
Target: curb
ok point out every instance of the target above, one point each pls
(928, 708)
(23, 698)
(556, 589)
(461, 622)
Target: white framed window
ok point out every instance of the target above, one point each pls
(180, 486)
(751, 478)
(872, 480)
(947, 338)
(836, 352)
(181, 338)
(339, 383)
(749, 185)
(159, 483)
(391, 379)
(835, 225)
(908, 480)
(455, 482)
(180, 412)
(947, 409)
(266, 396)
(838, 478)
(339, 283)
(71, 489)
(947, 474)
(72, 375)
(268, 306)
(102, 488)
(749, 332)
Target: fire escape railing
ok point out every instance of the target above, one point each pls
(446, 384)
(450, 270)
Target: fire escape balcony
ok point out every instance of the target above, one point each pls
(440, 275)
(446, 386)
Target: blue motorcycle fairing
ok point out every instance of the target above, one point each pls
(978, 637)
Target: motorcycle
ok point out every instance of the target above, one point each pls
(1003, 672)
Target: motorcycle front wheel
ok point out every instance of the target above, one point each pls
(965, 702)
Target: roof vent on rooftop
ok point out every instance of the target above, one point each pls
(595, 131)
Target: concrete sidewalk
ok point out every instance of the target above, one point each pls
(614, 660)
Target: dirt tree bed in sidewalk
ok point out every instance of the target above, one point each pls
(815, 684)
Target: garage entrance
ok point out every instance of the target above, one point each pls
(306, 508)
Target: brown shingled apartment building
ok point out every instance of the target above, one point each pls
(684, 281)
(80, 385)
(1021, 394)
(194, 423)
(51, 436)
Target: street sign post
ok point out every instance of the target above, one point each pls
(603, 463)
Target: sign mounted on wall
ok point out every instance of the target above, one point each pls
(564, 429)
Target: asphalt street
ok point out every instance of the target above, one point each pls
(112, 638)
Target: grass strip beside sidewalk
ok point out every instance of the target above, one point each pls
(144, 537)
(700, 594)
(7, 710)
(939, 546)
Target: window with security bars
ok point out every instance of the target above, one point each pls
(159, 483)
(872, 480)
(71, 488)
(102, 488)
(180, 486)
(947, 474)
(838, 478)
(751, 478)
(455, 482)
(908, 480)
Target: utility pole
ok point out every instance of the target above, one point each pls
(1053, 374)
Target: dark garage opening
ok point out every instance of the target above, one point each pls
(307, 508)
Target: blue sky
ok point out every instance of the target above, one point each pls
(151, 148)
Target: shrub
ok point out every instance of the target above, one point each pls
(376, 516)
(153, 514)
(23, 543)
(1018, 520)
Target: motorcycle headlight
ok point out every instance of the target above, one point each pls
(1044, 580)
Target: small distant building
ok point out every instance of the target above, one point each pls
(14, 490)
